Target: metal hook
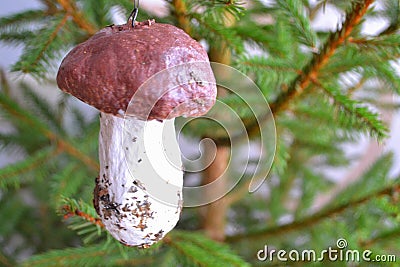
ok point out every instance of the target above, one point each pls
(134, 12)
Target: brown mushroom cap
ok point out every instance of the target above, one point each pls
(106, 71)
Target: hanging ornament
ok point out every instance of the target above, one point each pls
(140, 75)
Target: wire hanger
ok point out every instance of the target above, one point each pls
(134, 12)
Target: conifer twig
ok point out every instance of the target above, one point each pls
(64, 257)
(77, 16)
(50, 40)
(387, 235)
(69, 212)
(263, 66)
(135, 262)
(4, 83)
(369, 119)
(73, 151)
(312, 71)
(60, 142)
(33, 162)
(4, 261)
(356, 87)
(314, 218)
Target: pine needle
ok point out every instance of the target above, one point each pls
(202, 251)
(40, 51)
(350, 112)
(21, 21)
(294, 11)
(13, 175)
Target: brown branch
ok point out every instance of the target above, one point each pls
(60, 142)
(214, 220)
(77, 16)
(32, 166)
(315, 218)
(4, 261)
(312, 71)
(50, 40)
(180, 14)
(68, 213)
(287, 69)
(73, 151)
(5, 86)
(356, 87)
(385, 236)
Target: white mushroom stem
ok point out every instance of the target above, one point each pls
(139, 190)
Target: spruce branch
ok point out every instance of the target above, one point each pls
(316, 218)
(16, 38)
(73, 151)
(12, 174)
(386, 72)
(51, 6)
(259, 63)
(5, 86)
(69, 211)
(392, 12)
(77, 16)
(82, 256)
(40, 50)
(51, 39)
(356, 87)
(294, 11)
(220, 11)
(350, 111)
(5, 261)
(66, 182)
(312, 131)
(16, 22)
(311, 72)
(221, 35)
(201, 251)
(83, 219)
(136, 262)
(386, 41)
(43, 108)
(392, 234)
(94, 255)
(16, 111)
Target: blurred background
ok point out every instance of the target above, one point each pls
(337, 164)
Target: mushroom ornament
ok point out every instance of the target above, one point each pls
(140, 76)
